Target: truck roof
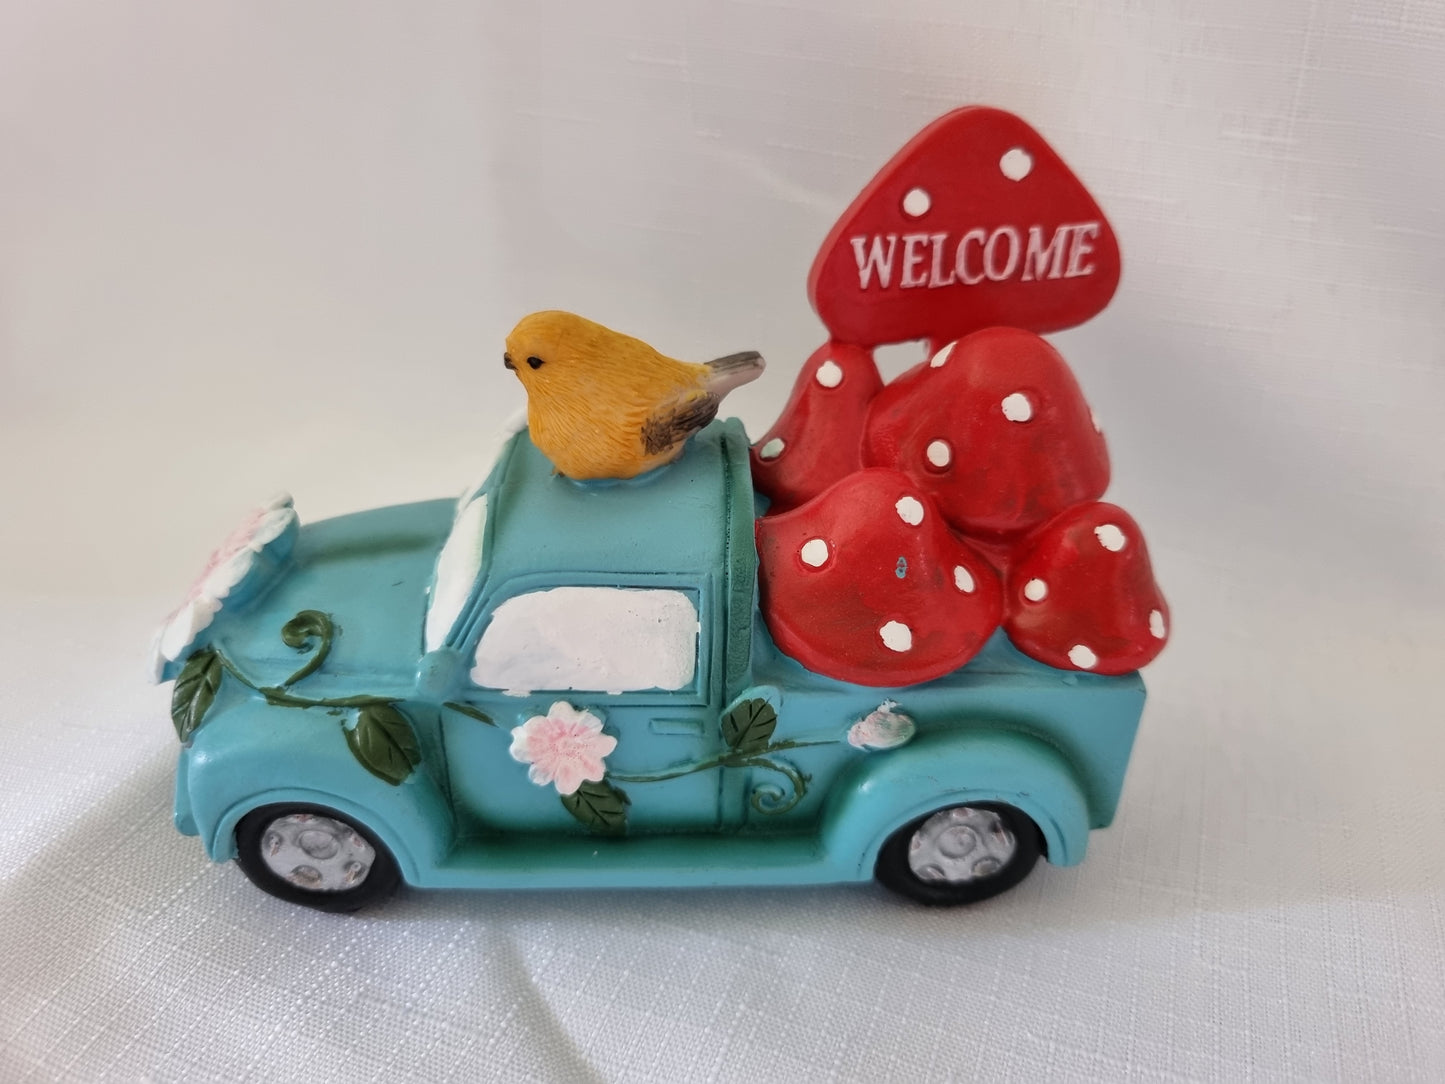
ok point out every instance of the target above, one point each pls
(671, 521)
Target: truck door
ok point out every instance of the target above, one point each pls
(637, 656)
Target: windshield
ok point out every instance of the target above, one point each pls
(463, 554)
(458, 565)
(501, 442)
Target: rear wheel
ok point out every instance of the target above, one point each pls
(314, 856)
(961, 854)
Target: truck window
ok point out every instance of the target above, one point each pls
(458, 564)
(594, 639)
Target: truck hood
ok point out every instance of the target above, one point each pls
(369, 572)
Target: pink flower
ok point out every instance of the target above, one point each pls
(563, 747)
(225, 569)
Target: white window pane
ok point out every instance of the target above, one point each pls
(598, 639)
(458, 564)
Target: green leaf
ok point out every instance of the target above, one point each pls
(383, 741)
(749, 727)
(470, 712)
(195, 690)
(308, 630)
(600, 806)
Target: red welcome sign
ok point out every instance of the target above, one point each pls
(976, 222)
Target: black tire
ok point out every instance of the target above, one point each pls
(895, 871)
(254, 837)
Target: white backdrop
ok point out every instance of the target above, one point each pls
(250, 246)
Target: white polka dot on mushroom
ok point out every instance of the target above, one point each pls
(1094, 418)
(963, 579)
(772, 449)
(814, 552)
(940, 359)
(829, 374)
(939, 453)
(1036, 590)
(916, 202)
(1017, 408)
(910, 510)
(1110, 537)
(1156, 624)
(896, 636)
(1082, 657)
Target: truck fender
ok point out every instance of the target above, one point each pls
(888, 789)
(234, 767)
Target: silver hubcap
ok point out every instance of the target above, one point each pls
(960, 844)
(316, 852)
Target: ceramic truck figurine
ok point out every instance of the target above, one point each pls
(898, 637)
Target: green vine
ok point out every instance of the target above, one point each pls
(768, 798)
(384, 742)
(381, 736)
(747, 730)
(470, 712)
(299, 632)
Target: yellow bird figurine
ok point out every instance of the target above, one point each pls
(601, 404)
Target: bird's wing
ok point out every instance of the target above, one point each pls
(675, 421)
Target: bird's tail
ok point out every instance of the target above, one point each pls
(733, 371)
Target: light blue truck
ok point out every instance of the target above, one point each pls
(553, 684)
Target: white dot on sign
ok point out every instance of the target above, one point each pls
(896, 636)
(1017, 408)
(916, 202)
(829, 374)
(910, 510)
(1082, 657)
(940, 359)
(772, 449)
(1036, 590)
(1016, 164)
(963, 579)
(1110, 537)
(939, 453)
(814, 552)
(1156, 624)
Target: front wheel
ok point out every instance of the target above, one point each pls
(314, 856)
(961, 854)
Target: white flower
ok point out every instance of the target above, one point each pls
(227, 567)
(563, 747)
(882, 728)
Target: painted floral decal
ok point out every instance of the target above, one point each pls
(379, 734)
(883, 728)
(565, 747)
(227, 567)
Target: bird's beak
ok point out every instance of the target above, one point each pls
(507, 364)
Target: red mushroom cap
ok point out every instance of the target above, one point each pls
(817, 439)
(1081, 594)
(866, 583)
(995, 428)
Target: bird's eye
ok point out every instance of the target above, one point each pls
(535, 362)
(507, 362)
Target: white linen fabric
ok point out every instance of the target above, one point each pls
(249, 247)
